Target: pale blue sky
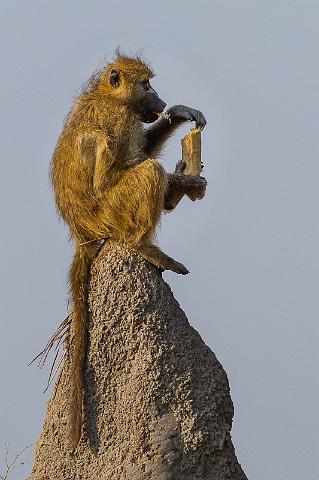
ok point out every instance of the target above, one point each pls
(251, 245)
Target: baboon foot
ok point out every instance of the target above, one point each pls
(154, 255)
(178, 268)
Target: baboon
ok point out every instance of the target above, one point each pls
(109, 185)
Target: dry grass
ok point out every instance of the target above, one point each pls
(11, 464)
(55, 342)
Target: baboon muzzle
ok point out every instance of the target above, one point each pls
(152, 106)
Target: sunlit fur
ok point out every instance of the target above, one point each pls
(106, 187)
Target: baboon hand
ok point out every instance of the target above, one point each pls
(187, 114)
(197, 187)
(180, 166)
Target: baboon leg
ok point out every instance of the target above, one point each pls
(136, 209)
(132, 210)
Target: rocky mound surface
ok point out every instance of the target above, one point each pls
(157, 403)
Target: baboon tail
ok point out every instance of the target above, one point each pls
(79, 277)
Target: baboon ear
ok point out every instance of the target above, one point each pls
(115, 78)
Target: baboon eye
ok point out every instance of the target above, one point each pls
(146, 85)
(115, 78)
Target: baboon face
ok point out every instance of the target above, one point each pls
(150, 104)
(142, 98)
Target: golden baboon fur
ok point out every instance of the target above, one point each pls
(107, 186)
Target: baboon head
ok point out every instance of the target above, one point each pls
(127, 80)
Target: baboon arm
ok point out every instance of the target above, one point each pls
(95, 148)
(159, 133)
(172, 199)
(174, 192)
